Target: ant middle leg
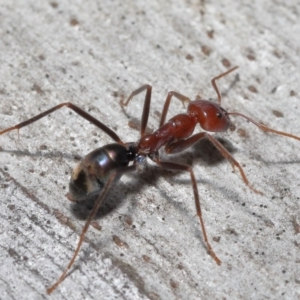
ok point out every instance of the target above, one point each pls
(213, 82)
(76, 109)
(171, 94)
(146, 109)
(179, 167)
(180, 145)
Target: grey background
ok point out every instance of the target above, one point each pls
(95, 53)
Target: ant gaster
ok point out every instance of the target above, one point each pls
(96, 173)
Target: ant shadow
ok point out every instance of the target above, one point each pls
(206, 153)
(203, 152)
(45, 154)
(114, 199)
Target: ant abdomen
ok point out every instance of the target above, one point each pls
(92, 173)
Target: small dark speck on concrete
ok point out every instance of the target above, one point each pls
(210, 33)
(189, 57)
(252, 89)
(11, 206)
(206, 50)
(226, 63)
(277, 113)
(74, 22)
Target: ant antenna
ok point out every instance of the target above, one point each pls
(264, 127)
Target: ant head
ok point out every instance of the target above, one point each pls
(211, 116)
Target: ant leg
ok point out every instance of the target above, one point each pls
(213, 82)
(179, 167)
(96, 207)
(180, 145)
(181, 97)
(146, 108)
(76, 109)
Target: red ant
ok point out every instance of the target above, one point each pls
(96, 173)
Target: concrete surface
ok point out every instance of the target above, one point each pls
(150, 246)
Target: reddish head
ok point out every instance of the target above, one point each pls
(211, 116)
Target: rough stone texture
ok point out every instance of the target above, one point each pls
(95, 53)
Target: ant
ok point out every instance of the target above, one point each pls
(101, 168)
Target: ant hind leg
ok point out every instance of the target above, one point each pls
(76, 109)
(179, 167)
(93, 212)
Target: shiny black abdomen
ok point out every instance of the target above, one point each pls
(89, 177)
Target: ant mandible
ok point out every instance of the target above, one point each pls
(96, 173)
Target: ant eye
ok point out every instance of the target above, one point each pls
(219, 115)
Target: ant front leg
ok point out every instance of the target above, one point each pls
(180, 145)
(76, 109)
(146, 109)
(213, 82)
(179, 167)
(183, 98)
